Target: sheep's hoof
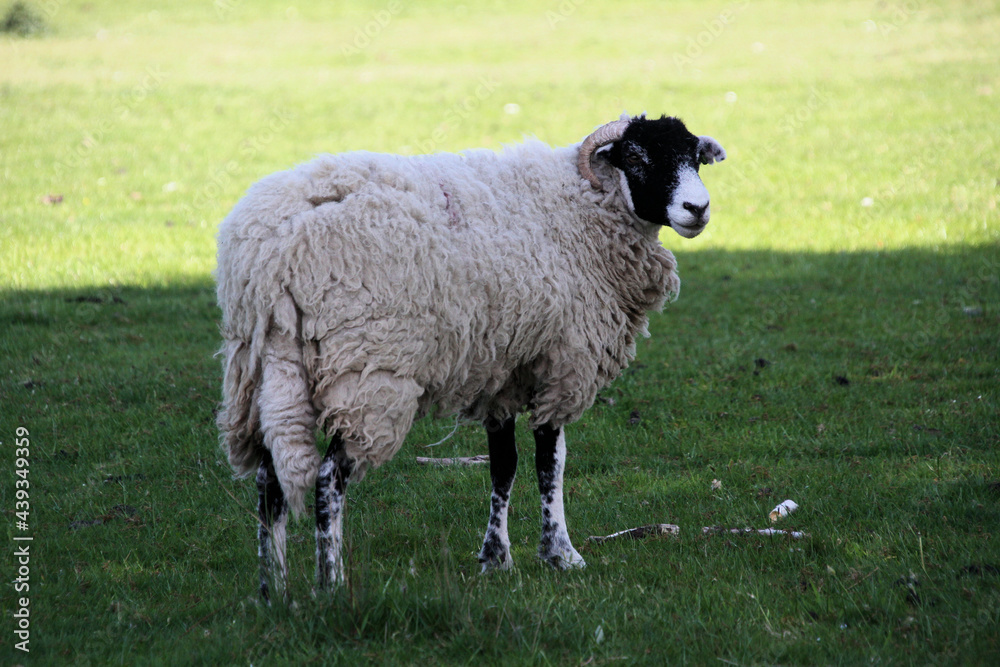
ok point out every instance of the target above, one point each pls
(565, 559)
(495, 559)
(329, 582)
(327, 590)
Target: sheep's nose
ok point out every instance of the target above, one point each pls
(696, 211)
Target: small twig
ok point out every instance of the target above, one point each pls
(459, 460)
(638, 533)
(862, 579)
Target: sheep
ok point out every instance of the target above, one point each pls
(359, 291)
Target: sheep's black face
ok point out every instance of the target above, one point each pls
(659, 162)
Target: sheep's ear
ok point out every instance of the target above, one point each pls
(710, 150)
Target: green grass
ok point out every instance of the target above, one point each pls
(874, 404)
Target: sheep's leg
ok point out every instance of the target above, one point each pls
(287, 425)
(495, 554)
(272, 513)
(331, 485)
(550, 462)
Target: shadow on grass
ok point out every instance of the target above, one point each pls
(875, 372)
(913, 299)
(920, 318)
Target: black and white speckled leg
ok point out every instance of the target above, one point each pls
(272, 514)
(550, 461)
(495, 554)
(331, 486)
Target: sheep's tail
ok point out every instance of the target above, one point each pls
(266, 404)
(238, 418)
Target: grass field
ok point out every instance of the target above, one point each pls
(837, 339)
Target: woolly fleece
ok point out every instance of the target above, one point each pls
(360, 290)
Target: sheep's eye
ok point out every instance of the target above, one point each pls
(633, 159)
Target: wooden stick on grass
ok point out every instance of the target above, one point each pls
(458, 460)
(716, 530)
(638, 533)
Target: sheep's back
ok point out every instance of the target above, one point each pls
(409, 265)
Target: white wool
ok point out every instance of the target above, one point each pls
(380, 286)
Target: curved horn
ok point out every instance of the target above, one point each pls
(602, 136)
